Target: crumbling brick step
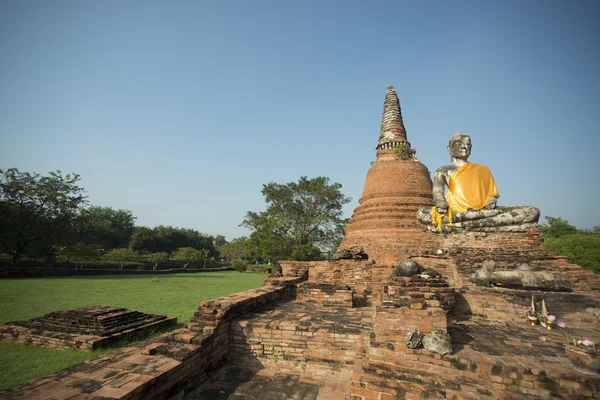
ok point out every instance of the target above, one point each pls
(237, 383)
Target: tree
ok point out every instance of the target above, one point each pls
(157, 258)
(105, 227)
(304, 215)
(235, 250)
(169, 239)
(143, 239)
(556, 227)
(187, 255)
(80, 253)
(37, 210)
(580, 249)
(218, 242)
(205, 254)
(121, 256)
(269, 242)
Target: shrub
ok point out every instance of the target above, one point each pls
(306, 252)
(403, 151)
(239, 265)
(121, 256)
(579, 249)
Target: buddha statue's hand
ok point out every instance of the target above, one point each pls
(441, 207)
(491, 204)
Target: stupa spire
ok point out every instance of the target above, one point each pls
(392, 127)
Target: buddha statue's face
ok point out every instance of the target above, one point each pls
(460, 147)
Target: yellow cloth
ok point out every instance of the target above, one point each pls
(470, 188)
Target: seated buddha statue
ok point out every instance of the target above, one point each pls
(470, 202)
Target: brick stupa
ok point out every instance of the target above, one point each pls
(385, 224)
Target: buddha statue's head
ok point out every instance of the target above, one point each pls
(460, 146)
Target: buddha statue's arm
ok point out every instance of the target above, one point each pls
(491, 204)
(439, 187)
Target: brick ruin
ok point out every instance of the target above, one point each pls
(337, 329)
(85, 328)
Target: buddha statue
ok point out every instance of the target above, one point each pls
(470, 202)
(470, 186)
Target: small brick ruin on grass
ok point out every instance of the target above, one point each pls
(338, 329)
(85, 328)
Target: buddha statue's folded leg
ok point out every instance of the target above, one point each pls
(500, 219)
(512, 217)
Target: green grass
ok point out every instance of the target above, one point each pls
(175, 295)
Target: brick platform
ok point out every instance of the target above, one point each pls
(322, 337)
(237, 383)
(86, 328)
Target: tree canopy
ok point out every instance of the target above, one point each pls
(46, 215)
(105, 227)
(301, 219)
(37, 211)
(556, 227)
(581, 247)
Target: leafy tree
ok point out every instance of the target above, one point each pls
(579, 249)
(298, 215)
(121, 256)
(169, 239)
(270, 241)
(157, 258)
(105, 227)
(235, 250)
(143, 239)
(205, 253)
(218, 242)
(187, 255)
(81, 253)
(556, 227)
(306, 252)
(37, 210)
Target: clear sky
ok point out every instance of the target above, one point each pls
(180, 110)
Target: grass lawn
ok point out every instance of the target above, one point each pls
(175, 295)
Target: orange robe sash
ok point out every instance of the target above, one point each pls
(470, 188)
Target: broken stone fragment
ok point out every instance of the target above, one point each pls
(430, 272)
(408, 267)
(414, 339)
(353, 253)
(438, 341)
(521, 278)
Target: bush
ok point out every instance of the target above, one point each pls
(306, 252)
(239, 265)
(403, 151)
(579, 249)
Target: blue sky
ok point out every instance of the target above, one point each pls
(179, 111)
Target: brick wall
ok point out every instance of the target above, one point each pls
(325, 294)
(253, 341)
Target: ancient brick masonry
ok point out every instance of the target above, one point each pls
(326, 294)
(392, 127)
(86, 328)
(384, 223)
